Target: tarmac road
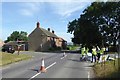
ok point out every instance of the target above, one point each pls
(57, 67)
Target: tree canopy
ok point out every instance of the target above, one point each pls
(16, 35)
(99, 24)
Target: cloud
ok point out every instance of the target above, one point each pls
(26, 12)
(47, 0)
(1, 20)
(66, 9)
(58, 0)
(29, 9)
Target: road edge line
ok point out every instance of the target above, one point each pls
(88, 75)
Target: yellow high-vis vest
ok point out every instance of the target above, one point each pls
(83, 51)
(86, 51)
(102, 50)
(94, 51)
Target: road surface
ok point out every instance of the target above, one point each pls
(57, 67)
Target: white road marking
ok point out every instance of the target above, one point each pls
(64, 57)
(88, 75)
(34, 76)
(16, 63)
(40, 72)
(5, 68)
(51, 65)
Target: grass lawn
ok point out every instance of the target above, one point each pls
(8, 58)
(111, 69)
(72, 47)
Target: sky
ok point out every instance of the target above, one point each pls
(23, 16)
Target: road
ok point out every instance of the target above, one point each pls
(57, 67)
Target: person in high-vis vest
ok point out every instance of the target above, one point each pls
(86, 53)
(86, 50)
(102, 50)
(83, 52)
(98, 53)
(94, 54)
(101, 53)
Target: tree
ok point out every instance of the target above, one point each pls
(98, 23)
(85, 32)
(16, 35)
(106, 16)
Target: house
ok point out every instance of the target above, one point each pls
(23, 45)
(60, 42)
(1, 43)
(42, 40)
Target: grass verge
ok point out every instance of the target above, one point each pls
(109, 69)
(7, 58)
(111, 52)
(72, 47)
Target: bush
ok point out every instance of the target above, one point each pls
(58, 48)
(51, 49)
(54, 49)
(68, 48)
(72, 47)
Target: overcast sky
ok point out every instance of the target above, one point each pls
(22, 16)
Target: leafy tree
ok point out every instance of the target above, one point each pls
(98, 24)
(106, 16)
(16, 35)
(85, 33)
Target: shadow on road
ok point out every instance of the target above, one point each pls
(74, 60)
(34, 70)
(66, 51)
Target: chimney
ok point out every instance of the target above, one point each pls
(38, 25)
(48, 29)
(53, 31)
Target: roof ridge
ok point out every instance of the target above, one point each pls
(48, 33)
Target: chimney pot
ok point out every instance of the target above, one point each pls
(53, 31)
(48, 29)
(38, 25)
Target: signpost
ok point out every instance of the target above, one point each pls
(19, 49)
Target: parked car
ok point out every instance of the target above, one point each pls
(8, 48)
